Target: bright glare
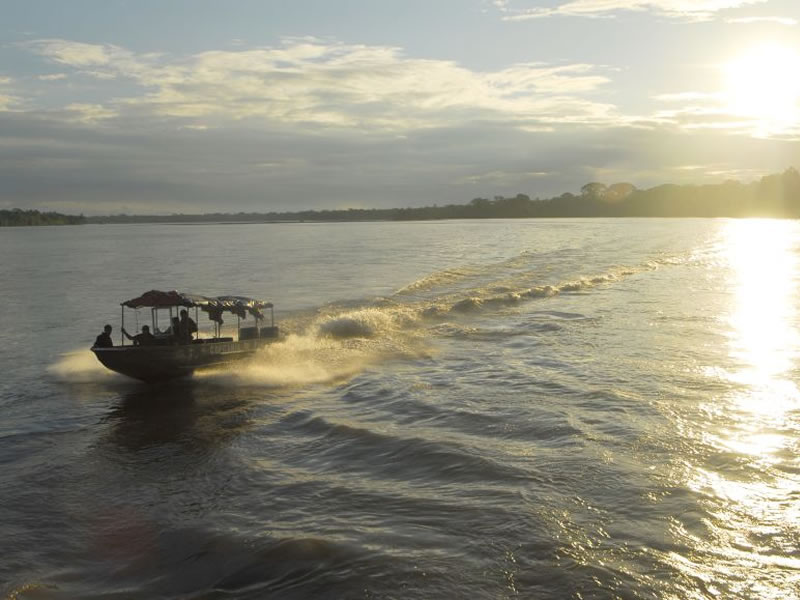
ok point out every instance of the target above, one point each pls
(765, 340)
(765, 267)
(763, 84)
(750, 543)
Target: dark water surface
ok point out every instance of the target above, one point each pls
(503, 409)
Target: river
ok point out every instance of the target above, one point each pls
(572, 408)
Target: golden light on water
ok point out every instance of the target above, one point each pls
(763, 266)
(762, 84)
(747, 475)
(764, 337)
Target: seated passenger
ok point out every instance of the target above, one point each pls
(187, 327)
(104, 339)
(175, 330)
(141, 339)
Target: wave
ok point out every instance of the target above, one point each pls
(341, 342)
(438, 278)
(365, 323)
(509, 296)
(396, 456)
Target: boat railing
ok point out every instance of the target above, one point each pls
(165, 314)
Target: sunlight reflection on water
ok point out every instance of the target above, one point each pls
(764, 338)
(752, 491)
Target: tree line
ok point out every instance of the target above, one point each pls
(16, 217)
(775, 195)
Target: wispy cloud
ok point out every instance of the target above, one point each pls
(310, 81)
(788, 21)
(688, 97)
(76, 54)
(88, 113)
(703, 110)
(692, 10)
(7, 101)
(502, 178)
(52, 77)
(104, 61)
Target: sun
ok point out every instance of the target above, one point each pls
(762, 84)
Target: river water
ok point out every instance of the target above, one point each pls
(490, 409)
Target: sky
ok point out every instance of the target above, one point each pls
(193, 106)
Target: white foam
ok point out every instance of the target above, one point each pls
(574, 286)
(294, 361)
(365, 323)
(544, 291)
(80, 366)
(467, 304)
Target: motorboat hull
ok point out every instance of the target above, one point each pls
(152, 364)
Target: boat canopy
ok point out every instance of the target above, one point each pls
(213, 305)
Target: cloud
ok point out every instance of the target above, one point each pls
(499, 178)
(319, 124)
(683, 97)
(52, 77)
(691, 111)
(309, 82)
(75, 54)
(7, 101)
(692, 10)
(104, 61)
(76, 166)
(788, 21)
(88, 113)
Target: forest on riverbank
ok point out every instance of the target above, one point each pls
(776, 195)
(16, 217)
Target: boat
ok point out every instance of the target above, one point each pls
(166, 355)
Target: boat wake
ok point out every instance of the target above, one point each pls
(336, 342)
(81, 366)
(330, 347)
(339, 341)
(297, 360)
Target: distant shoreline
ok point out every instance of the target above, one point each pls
(775, 196)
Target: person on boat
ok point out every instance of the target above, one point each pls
(141, 339)
(104, 339)
(174, 330)
(186, 328)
